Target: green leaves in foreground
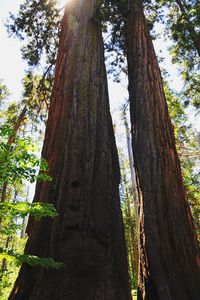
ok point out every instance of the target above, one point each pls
(31, 260)
(9, 212)
(19, 160)
(22, 209)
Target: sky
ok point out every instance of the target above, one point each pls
(12, 67)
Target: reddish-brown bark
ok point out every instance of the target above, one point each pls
(169, 252)
(80, 149)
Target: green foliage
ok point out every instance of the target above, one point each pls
(19, 164)
(112, 15)
(129, 225)
(14, 258)
(184, 31)
(4, 93)
(19, 161)
(36, 94)
(32, 260)
(191, 90)
(9, 212)
(182, 26)
(129, 218)
(38, 24)
(10, 215)
(7, 279)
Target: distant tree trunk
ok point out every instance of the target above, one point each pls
(169, 252)
(8, 239)
(3, 265)
(17, 125)
(132, 166)
(81, 152)
(131, 232)
(24, 222)
(3, 192)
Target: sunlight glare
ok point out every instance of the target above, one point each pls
(62, 3)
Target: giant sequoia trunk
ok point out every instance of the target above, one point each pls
(80, 149)
(169, 252)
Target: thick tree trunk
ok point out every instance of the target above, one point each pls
(169, 252)
(80, 149)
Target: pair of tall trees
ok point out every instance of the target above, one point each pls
(80, 149)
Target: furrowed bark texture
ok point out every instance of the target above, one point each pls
(169, 252)
(80, 149)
